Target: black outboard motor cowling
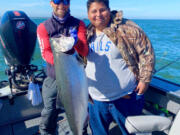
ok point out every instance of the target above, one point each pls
(17, 37)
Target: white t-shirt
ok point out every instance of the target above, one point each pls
(109, 78)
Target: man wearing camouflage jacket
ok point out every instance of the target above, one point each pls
(119, 68)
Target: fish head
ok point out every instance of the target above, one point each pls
(62, 44)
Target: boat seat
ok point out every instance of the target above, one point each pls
(146, 123)
(175, 128)
(149, 123)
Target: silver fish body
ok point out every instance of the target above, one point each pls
(72, 85)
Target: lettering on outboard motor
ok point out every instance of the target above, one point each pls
(20, 25)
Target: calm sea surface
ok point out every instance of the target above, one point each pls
(165, 38)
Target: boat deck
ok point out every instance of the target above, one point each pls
(22, 118)
(30, 127)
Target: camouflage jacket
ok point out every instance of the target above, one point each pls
(133, 44)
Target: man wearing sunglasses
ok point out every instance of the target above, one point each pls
(61, 23)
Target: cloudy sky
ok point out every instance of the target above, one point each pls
(142, 9)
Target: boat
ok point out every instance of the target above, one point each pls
(19, 117)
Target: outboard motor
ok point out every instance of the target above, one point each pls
(18, 37)
(18, 40)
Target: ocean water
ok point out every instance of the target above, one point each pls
(164, 36)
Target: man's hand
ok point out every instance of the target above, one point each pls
(141, 87)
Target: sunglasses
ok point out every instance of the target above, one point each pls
(57, 2)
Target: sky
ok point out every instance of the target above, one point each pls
(132, 9)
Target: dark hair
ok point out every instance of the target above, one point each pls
(89, 2)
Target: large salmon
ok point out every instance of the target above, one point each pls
(71, 83)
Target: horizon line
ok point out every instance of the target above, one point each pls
(124, 17)
(138, 18)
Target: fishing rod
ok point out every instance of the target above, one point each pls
(161, 68)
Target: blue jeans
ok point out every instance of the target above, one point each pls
(103, 113)
(49, 113)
